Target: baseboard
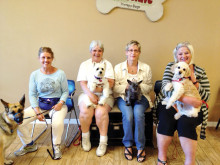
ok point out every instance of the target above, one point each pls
(72, 121)
(212, 124)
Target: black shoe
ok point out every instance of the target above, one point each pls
(141, 156)
(130, 153)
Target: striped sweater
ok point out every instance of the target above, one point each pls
(204, 91)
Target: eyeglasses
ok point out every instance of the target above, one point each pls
(135, 51)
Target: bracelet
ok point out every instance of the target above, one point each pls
(61, 102)
(195, 82)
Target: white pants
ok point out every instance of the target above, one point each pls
(57, 124)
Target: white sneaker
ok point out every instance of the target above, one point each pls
(101, 150)
(57, 152)
(86, 144)
(26, 149)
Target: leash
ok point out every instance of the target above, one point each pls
(207, 106)
(78, 139)
(45, 111)
(52, 156)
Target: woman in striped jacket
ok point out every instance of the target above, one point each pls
(186, 126)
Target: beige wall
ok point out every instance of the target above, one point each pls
(68, 26)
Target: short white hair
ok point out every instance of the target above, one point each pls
(95, 43)
(188, 46)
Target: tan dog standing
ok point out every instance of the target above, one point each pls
(9, 121)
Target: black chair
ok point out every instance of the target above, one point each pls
(157, 87)
(71, 109)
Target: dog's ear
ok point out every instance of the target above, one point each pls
(188, 72)
(129, 82)
(140, 82)
(5, 105)
(22, 101)
(173, 67)
(104, 65)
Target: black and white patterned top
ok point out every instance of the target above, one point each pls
(204, 91)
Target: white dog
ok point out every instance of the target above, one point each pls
(181, 84)
(98, 80)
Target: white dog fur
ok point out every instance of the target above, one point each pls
(98, 80)
(181, 85)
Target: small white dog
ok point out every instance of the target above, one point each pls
(181, 85)
(98, 80)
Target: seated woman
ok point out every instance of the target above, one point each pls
(86, 76)
(186, 126)
(133, 69)
(47, 84)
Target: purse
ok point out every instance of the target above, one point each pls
(47, 103)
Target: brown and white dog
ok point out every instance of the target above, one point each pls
(9, 121)
(181, 84)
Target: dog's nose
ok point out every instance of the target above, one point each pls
(180, 72)
(100, 72)
(19, 120)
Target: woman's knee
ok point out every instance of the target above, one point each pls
(128, 117)
(101, 113)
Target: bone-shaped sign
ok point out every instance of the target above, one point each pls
(152, 8)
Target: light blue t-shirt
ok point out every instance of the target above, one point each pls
(47, 86)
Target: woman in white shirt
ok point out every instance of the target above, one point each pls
(86, 75)
(133, 69)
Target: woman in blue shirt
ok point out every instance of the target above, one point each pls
(47, 84)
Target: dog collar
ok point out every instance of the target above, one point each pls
(98, 78)
(180, 79)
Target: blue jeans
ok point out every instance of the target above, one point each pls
(133, 114)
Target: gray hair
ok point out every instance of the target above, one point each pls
(95, 43)
(188, 46)
(133, 42)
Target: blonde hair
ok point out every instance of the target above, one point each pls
(188, 46)
(133, 42)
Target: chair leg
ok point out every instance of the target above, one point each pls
(67, 130)
(218, 124)
(76, 131)
(32, 134)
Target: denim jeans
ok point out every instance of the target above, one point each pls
(133, 114)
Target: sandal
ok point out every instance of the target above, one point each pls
(130, 153)
(141, 156)
(163, 162)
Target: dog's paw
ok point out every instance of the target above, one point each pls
(168, 106)
(101, 102)
(128, 103)
(177, 116)
(168, 87)
(8, 161)
(164, 103)
(194, 115)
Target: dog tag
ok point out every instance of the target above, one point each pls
(152, 8)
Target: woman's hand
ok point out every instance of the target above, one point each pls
(58, 106)
(191, 101)
(41, 116)
(94, 98)
(193, 78)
